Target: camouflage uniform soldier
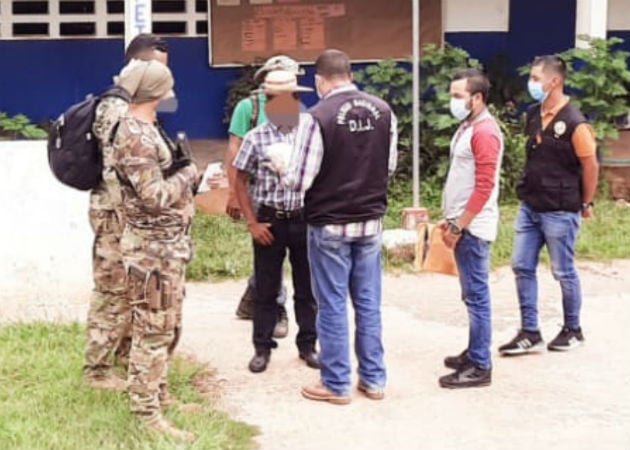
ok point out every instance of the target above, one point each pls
(109, 315)
(157, 199)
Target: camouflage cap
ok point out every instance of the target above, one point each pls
(278, 62)
(146, 81)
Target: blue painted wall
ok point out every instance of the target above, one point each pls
(42, 78)
(625, 35)
(540, 27)
(482, 46)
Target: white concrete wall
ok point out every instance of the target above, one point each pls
(479, 15)
(618, 15)
(45, 237)
(494, 15)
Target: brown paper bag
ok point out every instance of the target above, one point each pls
(438, 257)
(213, 201)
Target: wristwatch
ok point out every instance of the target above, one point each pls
(586, 206)
(453, 228)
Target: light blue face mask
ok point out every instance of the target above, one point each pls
(458, 107)
(536, 90)
(168, 105)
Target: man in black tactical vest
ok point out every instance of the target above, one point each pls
(556, 190)
(346, 198)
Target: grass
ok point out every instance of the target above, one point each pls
(45, 405)
(223, 247)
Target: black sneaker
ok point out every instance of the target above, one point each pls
(567, 339)
(524, 342)
(467, 376)
(245, 308)
(455, 362)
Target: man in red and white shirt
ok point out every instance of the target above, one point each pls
(471, 212)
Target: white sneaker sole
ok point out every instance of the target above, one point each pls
(537, 348)
(565, 348)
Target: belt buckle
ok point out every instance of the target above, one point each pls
(281, 215)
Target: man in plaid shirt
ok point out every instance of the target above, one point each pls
(278, 225)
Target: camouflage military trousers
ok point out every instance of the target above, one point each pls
(109, 314)
(154, 330)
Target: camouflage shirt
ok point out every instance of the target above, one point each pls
(107, 196)
(152, 204)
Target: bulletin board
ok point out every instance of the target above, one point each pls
(246, 31)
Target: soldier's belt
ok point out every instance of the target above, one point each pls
(166, 234)
(157, 289)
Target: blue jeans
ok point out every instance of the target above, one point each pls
(342, 265)
(557, 230)
(473, 262)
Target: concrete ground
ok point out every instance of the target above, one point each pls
(573, 401)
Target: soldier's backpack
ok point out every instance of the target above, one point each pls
(74, 153)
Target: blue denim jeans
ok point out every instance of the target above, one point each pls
(473, 262)
(342, 265)
(558, 231)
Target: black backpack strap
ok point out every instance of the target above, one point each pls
(112, 136)
(253, 120)
(116, 91)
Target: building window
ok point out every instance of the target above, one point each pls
(30, 8)
(30, 30)
(55, 19)
(66, 7)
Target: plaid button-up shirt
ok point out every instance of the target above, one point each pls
(252, 157)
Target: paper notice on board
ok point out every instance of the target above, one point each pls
(312, 33)
(331, 10)
(299, 11)
(254, 35)
(228, 2)
(261, 2)
(284, 34)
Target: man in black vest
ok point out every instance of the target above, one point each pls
(346, 198)
(556, 190)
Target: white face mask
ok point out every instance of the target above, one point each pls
(458, 107)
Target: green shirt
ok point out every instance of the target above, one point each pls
(241, 117)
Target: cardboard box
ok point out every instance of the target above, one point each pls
(214, 201)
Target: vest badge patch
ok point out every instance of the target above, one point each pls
(559, 128)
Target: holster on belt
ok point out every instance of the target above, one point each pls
(150, 287)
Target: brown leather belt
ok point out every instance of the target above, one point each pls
(281, 214)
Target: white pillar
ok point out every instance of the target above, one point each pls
(591, 19)
(416, 102)
(137, 18)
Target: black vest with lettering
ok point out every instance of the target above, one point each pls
(351, 185)
(552, 178)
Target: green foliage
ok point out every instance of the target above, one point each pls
(506, 88)
(223, 249)
(393, 82)
(600, 77)
(240, 88)
(19, 127)
(512, 124)
(46, 405)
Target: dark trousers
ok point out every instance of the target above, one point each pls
(289, 234)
